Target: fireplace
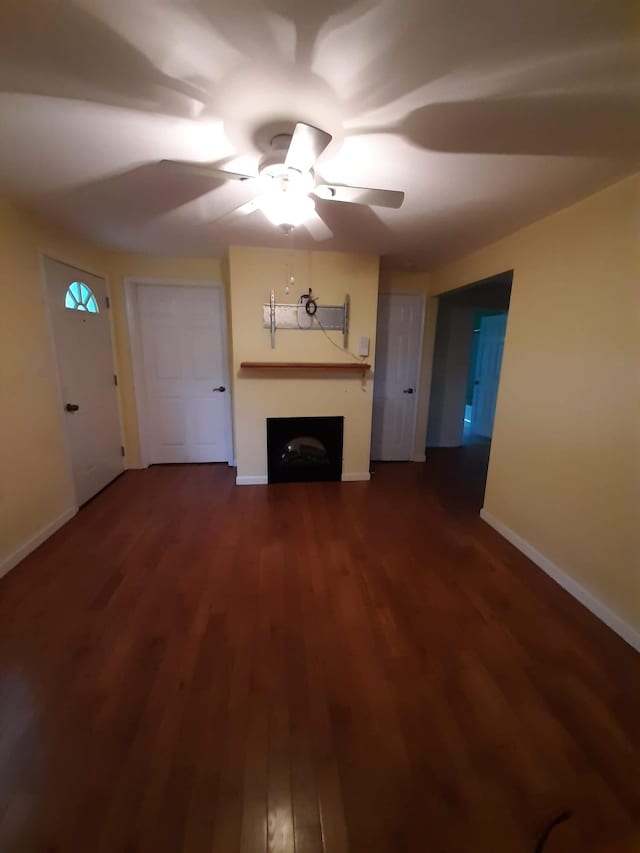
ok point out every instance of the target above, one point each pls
(304, 450)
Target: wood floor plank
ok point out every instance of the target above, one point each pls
(192, 667)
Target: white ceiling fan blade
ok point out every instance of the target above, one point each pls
(360, 195)
(242, 210)
(208, 169)
(307, 144)
(318, 228)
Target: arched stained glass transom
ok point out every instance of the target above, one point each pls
(80, 298)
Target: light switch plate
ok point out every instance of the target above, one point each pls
(363, 348)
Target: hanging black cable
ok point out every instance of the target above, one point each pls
(310, 305)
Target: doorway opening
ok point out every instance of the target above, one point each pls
(483, 375)
(467, 358)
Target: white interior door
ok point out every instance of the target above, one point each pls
(82, 334)
(185, 375)
(398, 339)
(487, 375)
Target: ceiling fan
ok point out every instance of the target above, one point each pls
(286, 181)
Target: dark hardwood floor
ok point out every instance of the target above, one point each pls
(188, 666)
(458, 475)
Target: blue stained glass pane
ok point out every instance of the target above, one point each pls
(80, 298)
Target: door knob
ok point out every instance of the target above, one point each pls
(71, 407)
(408, 391)
(220, 388)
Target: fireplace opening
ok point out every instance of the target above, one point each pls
(304, 449)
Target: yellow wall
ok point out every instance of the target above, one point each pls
(564, 470)
(418, 282)
(253, 274)
(404, 281)
(35, 483)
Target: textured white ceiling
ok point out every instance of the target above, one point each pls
(487, 114)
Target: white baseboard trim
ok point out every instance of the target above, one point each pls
(355, 477)
(253, 480)
(44, 533)
(586, 598)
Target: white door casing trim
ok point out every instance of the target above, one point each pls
(43, 255)
(586, 598)
(423, 317)
(135, 343)
(252, 480)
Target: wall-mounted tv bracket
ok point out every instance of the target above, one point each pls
(276, 315)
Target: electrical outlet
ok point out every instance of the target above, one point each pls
(363, 347)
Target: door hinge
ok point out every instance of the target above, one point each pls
(108, 301)
(115, 378)
(121, 450)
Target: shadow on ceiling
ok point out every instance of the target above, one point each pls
(544, 125)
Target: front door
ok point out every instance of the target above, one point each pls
(185, 377)
(398, 336)
(82, 334)
(487, 375)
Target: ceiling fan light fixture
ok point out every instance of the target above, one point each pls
(302, 182)
(286, 180)
(284, 208)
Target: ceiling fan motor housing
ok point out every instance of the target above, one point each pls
(272, 163)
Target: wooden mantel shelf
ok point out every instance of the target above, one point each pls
(304, 365)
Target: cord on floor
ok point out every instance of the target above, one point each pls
(545, 835)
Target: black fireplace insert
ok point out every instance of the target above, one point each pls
(304, 450)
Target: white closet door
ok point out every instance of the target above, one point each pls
(398, 336)
(184, 372)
